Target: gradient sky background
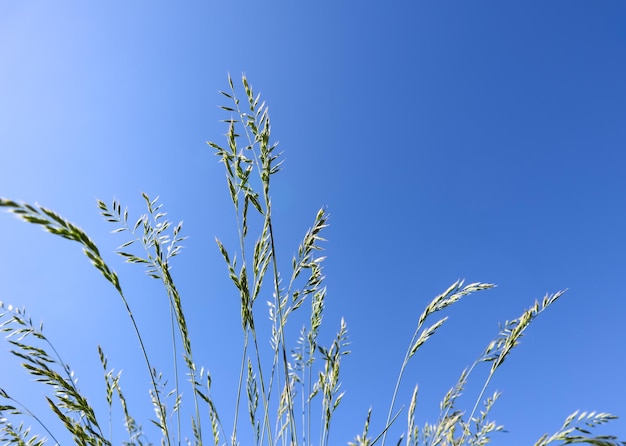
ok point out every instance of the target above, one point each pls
(481, 140)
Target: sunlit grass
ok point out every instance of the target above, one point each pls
(288, 397)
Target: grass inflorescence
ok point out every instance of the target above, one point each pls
(288, 397)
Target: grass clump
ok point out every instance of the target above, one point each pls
(288, 397)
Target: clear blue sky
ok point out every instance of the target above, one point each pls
(481, 140)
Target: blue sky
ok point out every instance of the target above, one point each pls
(479, 140)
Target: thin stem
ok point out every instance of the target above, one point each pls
(175, 359)
(407, 356)
(265, 397)
(36, 418)
(239, 385)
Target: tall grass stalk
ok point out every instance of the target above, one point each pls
(290, 397)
